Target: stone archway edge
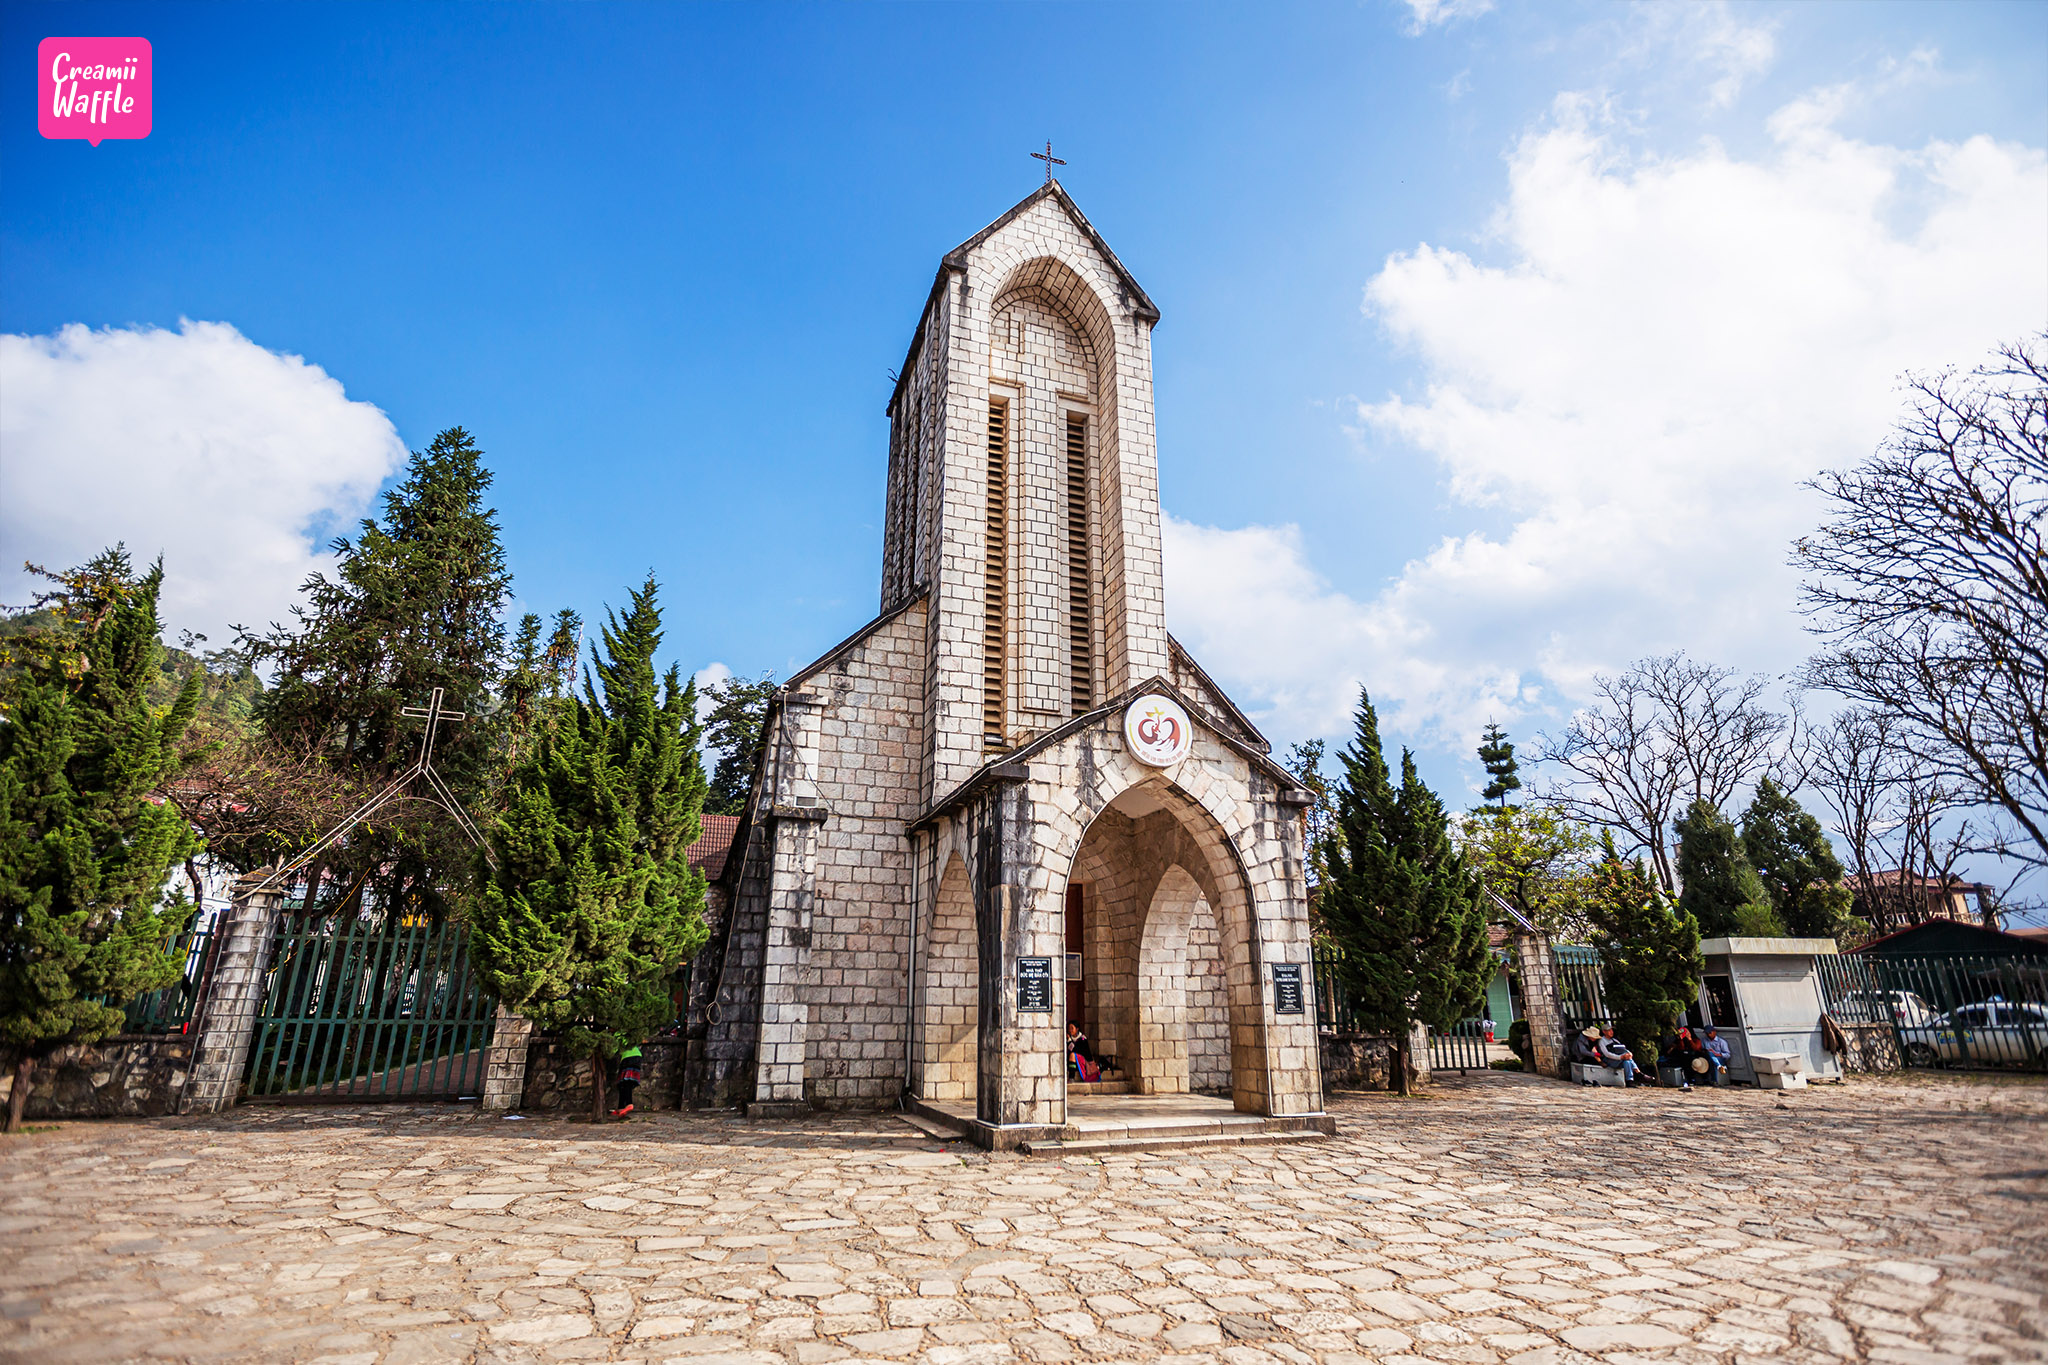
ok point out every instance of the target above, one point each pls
(1015, 766)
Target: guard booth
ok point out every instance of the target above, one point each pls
(1764, 996)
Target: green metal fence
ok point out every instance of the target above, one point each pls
(1946, 1010)
(1580, 994)
(369, 1007)
(170, 1009)
(1462, 1047)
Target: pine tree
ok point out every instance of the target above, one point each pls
(1405, 917)
(414, 604)
(85, 921)
(1649, 951)
(1800, 872)
(1499, 757)
(593, 905)
(1717, 886)
(732, 729)
(1305, 761)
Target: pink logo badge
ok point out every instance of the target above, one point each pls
(94, 88)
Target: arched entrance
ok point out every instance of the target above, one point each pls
(1168, 989)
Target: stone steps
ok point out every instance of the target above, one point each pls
(1106, 1086)
(1163, 1142)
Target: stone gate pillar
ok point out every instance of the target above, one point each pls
(505, 1060)
(234, 995)
(1538, 966)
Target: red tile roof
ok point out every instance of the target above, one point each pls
(709, 852)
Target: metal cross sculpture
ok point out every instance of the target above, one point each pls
(1049, 159)
(423, 766)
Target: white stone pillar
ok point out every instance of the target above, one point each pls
(784, 1039)
(505, 1061)
(234, 995)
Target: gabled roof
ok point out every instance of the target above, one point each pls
(708, 853)
(1054, 190)
(956, 261)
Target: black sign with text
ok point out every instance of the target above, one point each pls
(1034, 985)
(1287, 988)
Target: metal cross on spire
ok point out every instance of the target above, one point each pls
(1050, 161)
(423, 766)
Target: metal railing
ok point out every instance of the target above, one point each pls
(169, 1009)
(367, 1008)
(1581, 995)
(1462, 1047)
(1945, 1010)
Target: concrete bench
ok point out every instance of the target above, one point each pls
(1778, 1070)
(1599, 1075)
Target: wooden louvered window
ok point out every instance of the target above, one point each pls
(996, 580)
(1080, 613)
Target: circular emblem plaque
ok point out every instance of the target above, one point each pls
(1157, 730)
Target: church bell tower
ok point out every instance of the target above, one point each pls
(1023, 492)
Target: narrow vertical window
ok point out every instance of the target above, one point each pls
(1080, 597)
(996, 579)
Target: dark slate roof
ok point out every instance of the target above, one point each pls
(1953, 936)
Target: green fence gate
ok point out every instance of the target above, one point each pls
(369, 1007)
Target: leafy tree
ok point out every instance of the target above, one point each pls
(739, 708)
(1649, 950)
(1799, 870)
(1536, 859)
(1305, 762)
(85, 922)
(1405, 916)
(1721, 891)
(414, 604)
(593, 904)
(1498, 755)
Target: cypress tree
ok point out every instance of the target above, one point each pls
(1396, 900)
(85, 920)
(739, 707)
(414, 604)
(1717, 886)
(1800, 872)
(1649, 951)
(1501, 772)
(593, 905)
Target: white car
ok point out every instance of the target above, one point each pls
(1998, 1032)
(1884, 1007)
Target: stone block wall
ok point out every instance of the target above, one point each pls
(1363, 1061)
(1872, 1048)
(557, 1082)
(126, 1076)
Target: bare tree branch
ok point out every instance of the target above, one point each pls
(1929, 583)
(1667, 732)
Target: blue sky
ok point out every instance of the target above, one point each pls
(661, 260)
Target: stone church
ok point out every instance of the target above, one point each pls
(1012, 800)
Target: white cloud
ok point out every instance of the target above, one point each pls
(1424, 14)
(1702, 40)
(1664, 350)
(227, 458)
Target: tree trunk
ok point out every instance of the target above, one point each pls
(24, 1072)
(597, 1087)
(1400, 1065)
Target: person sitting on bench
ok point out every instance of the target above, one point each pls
(1681, 1053)
(1615, 1056)
(1715, 1048)
(1583, 1053)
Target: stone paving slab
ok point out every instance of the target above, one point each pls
(1502, 1218)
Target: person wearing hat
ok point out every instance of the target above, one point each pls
(1681, 1053)
(1715, 1049)
(1583, 1052)
(1615, 1055)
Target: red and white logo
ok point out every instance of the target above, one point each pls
(93, 88)
(1157, 730)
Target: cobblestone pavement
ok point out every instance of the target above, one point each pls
(1502, 1219)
